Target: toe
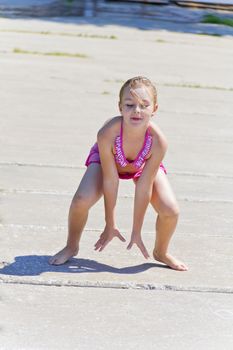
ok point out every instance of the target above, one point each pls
(182, 267)
(51, 261)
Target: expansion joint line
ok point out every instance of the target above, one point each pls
(118, 285)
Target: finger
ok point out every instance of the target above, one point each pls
(144, 251)
(130, 245)
(97, 247)
(100, 239)
(103, 246)
(121, 237)
(98, 244)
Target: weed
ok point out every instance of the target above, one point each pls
(210, 34)
(77, 35)
(197, 86)
(160, 41)
(114, 81)
(218, 20)
(55, 53)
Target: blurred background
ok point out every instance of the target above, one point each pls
(93, 7)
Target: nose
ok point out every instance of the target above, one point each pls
(137, 109)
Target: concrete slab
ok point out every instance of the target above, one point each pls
(70, 318)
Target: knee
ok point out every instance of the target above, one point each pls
(80, 202)
(171, 210)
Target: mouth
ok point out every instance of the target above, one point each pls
(136, 118)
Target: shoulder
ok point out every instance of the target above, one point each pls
(159, 139)
(110, 129)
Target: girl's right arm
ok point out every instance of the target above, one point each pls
(110, 175)
(110, 187)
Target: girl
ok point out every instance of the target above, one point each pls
(129, 146)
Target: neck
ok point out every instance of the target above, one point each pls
(134, 132)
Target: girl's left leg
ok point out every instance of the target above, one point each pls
(164, 202)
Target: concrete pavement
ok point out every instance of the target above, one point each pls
(51, 108)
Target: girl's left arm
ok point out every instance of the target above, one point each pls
(143, 192)
(110, 187)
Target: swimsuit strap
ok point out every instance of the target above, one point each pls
(120, 156)
(140, 159)
(138, 162)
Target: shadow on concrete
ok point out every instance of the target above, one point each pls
(134, 15)
(34, 265)
(191, 27)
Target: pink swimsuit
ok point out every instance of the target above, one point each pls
(120, 158)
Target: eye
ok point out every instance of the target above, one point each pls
(129, 105)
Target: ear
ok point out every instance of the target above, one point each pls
(119, 106)
(155, 109)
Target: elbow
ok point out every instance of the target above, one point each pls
(164, 145)
(99, 136)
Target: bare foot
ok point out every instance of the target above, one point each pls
(64, 255)
(169, 260)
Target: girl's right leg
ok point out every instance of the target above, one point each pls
(89, 192)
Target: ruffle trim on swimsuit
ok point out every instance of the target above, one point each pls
(140, 159)
(145, 151)
(119, 155)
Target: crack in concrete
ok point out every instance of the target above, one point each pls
(43, 227)
(89, 229)
(41, 165)
(119, 285)
(70, 166)
(126, 196)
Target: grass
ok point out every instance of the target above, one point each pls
(114, 81)
(210, 34)
(218, 20)
(77, 35)
(181, 85)
(55, 53)
(161, 41)
(91, 36)
(197, 86)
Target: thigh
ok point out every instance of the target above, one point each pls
(91, 186)
(163, 198)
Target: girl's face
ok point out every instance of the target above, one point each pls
(137, 105)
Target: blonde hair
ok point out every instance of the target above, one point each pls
(138, 81)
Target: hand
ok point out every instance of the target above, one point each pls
(106, 237)
(138, 241)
